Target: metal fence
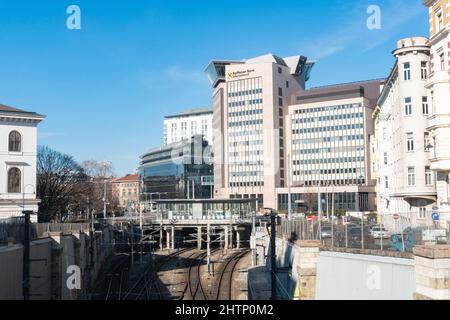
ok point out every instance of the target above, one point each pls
(365, 235)
(13, 229)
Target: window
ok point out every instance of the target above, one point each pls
(183, 130)
(411, 176)
(193, 128)
(439, 21)
(410, 141)
(408, 106)
(425, 106)
(426, 141)
(422, 213)
(424, 69)
(407, 71)
(428, 176)
(442, 59)
(280, 70)
(287, 84)
(280, 92)
(14, 179)
(385, 158)
(15, 141)
(280, 102)
(386, 182)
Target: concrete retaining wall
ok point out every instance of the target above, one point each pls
(348, 276)
(50, 258)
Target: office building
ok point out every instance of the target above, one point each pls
(439, 96)
(406, 183)
(18, 159)
(329, 147)
(266, 125)
(181, 170)
(250, 100)
(192, 122)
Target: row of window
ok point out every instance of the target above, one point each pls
(329, 171)
(340, 182)
(245, 113)
(244, 93)
(329, 128)
(411, 177)
(329, 139)
(328, 108)
(246, 143)
(330, 150)
(329, 160)
(247, 184)
(245, 102)
(330, 118)
(410, 141)
(407, 70)
(409, 106)
(245, 123)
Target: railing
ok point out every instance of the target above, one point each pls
(42, 228)
(360, 236)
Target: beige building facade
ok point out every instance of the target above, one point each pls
(406, 183)
(438, 86)
(126, 191)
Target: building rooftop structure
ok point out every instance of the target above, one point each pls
(12, 111)
(191, 112)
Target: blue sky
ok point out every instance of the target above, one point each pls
(106, 88)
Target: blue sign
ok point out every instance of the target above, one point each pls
(435, 216)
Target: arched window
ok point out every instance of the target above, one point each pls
(15, 141)
(14, 179)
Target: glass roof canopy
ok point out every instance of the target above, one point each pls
(209, 209)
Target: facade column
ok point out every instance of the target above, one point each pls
(172, 243)
(225, 231)
(199, 238)
(307, 270)
(432, 268)
(238, 238)
(167, 239)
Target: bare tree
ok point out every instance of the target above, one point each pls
(101, 174)
(60, 183)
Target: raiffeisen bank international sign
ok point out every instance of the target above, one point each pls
(239, 74)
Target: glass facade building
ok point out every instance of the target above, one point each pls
(178, 171)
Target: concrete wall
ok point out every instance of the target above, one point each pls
(351, 275)
(50, 258)
(348, 276)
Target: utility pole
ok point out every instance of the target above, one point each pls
(332, 215)
(319, 208)
(142, 231)
(273, 259)
(289, 187)
(253, 239)
(104, 198)
(26, 256)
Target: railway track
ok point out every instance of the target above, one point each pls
(225, 285)
(146, 286)
(194, 285)
(117, 279)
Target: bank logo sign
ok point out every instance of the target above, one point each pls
(239, 74)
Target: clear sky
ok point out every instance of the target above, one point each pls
(106, 88)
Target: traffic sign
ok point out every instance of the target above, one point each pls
(435, 215)
(396, 216)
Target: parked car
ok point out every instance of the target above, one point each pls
(379, 232)
(326, 232)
